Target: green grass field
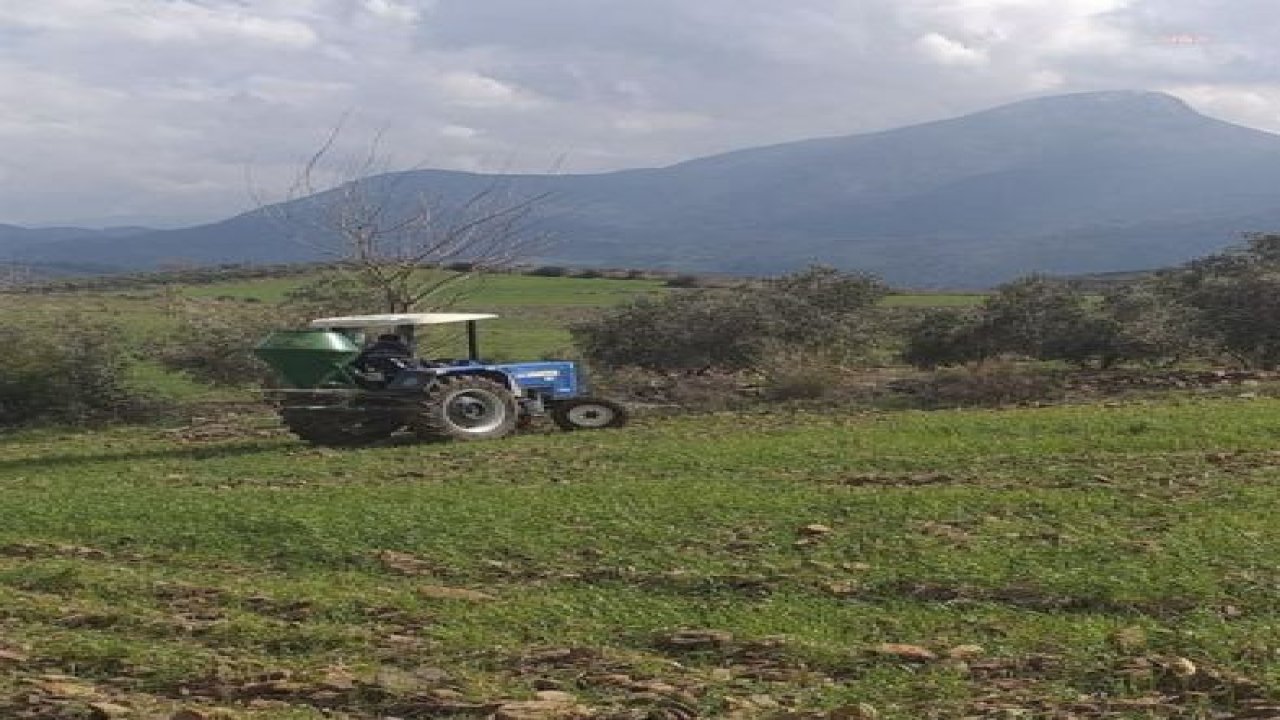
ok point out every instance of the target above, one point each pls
(535, 315)
(539, 305)
(1085, 561)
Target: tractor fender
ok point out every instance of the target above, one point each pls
(497, 376)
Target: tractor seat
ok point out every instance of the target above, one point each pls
(387, 365)
(450, 362)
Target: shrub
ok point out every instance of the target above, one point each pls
(707, 392)
(1046, 319)
(71, 370)
(1235, 296)
(332, 294)
(684, 281)
(943, 337)
(796, 384)
(549, 271)
(687, 331)
(1034, 317)
(989, 385)
(790, 376)
(1148, 326)
(1042, 318)
(822, 310)
(817, 311)
(214, 342)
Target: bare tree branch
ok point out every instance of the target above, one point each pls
(14, 275)
(416, 250)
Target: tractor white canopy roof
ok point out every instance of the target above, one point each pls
(359, 321)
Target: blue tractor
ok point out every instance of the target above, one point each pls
(336, 390)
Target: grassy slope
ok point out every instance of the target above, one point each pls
(1070, 543)
(535, 313)
(536, 308)
(537, 305)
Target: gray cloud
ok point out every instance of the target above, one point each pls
(123, 110)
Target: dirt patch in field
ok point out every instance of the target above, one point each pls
(901, 479)
(213, 423)
(1093, 383)
(1027, 597)
(621, 687)
(56, 550)
(1144, 686)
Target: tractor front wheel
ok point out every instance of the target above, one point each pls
(467, 408)
(588, 414)
(338, 428)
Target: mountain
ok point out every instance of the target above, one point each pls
(1069, 184)
(19, 245)
(13, 237)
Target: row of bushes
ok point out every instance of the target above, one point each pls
(18, 280)
(796, 331)
(78, 369)
(1225, 306)
(1046, 319)
(812, 385)
(211, 337)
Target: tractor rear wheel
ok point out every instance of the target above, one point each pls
(338, 428)
(588, 413)
(467, 408)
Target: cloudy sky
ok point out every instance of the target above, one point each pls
(169, 111)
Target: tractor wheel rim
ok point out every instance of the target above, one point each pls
(591, 415)
(475, 411)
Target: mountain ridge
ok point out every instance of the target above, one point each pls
(1068, 184)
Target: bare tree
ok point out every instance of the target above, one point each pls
(414, 250)
(14, 275)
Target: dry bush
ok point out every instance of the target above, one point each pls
(792, 385)
(712, 392)
(789, 375)
(706, 392)
(329, 294)
(71, 369)
(685, 281)
(214, 341)
(988, 385)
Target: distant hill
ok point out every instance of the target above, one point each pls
(14, 238)
(1070, 184)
